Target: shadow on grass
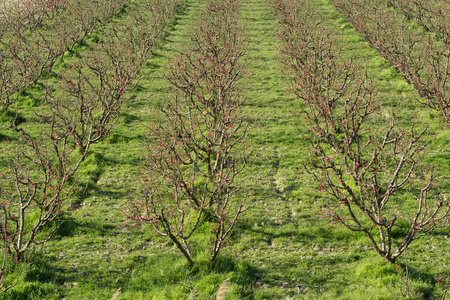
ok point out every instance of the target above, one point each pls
(169, 277)
(69, 227)
(7, 117)
(39, 280)
(164, 275)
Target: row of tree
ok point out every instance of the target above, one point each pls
(31, 43)
(431, 14)
(78, 109)
(28, 13)
(373, 178)
(421, 57)
(199, 147)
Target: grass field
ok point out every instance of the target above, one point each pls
(282, 248)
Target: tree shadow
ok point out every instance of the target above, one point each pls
(68, 227)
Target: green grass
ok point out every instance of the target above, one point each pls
(281, 248)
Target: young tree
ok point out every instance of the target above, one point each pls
(40, 178)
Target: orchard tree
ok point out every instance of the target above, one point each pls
(39, 178)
